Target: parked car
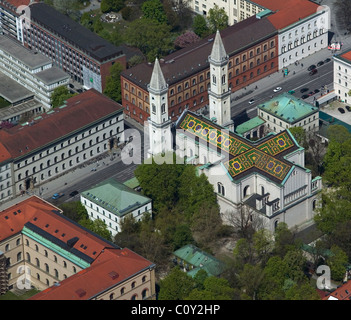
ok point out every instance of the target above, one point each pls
(291, 91)
(311, 93)
(320, 63)
(303, 90)
(341, 110)
(57, 195)
(310, 68)
(327, 60)
(316, 90)
(277, 89)
(305, 96)
(73, 193)
(348, 108)
(314, 71)
(251, 101)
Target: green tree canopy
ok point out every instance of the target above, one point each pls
(177, 285)
(151, 37)
(153, 10)
(59, 96)
(113, 83)
(214, 289)
(200, 26)
(217, 19)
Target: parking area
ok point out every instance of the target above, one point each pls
(338, 110)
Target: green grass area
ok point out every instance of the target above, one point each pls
(4, 103)
(9, 295)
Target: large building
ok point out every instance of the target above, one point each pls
(12, 13)
(342, 76)
(252, 51)
(81, 53)
(266, 178)
(111, 201)
(55, 142)
(30, 69)
(286, 111)
(45, 250)
(257, 46)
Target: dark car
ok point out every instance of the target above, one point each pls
(341, 110)
(311, 93)
(310, 68)
(305, 96)
(303, 90)
(348, 108)
(320, 63)
(316, 90)
(73, 193)
(314, 71)
(327, 60)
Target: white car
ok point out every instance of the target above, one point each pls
(277, 89)
(251, 101)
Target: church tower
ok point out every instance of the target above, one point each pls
(219, 92)
(159, 122)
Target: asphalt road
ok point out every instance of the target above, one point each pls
(296, 82)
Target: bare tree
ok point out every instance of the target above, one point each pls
(245, 221)
(317, 150)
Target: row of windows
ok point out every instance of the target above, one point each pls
(298, 42)
(68, 142)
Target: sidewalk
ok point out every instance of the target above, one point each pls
(66, 180)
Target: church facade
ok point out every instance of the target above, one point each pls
(265, 178)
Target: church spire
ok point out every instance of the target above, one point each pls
(157, 82)
(218, 53)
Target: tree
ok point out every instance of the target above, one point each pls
(299, 134)
(153, 10)
(285, 240)
(151, 37)
(337, 261)
(65, 6)
(59, 96)
(251, 278)
(217, 19)
(111, 5)
(343, 12)
(160, 182)
(179, 14)
(185, 39)
(177, 285)
(113, 83)
(244, 221)
(214, 289)
(74, 210)
(200, 26)
(97, 226)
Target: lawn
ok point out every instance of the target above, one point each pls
(9, 295)
(4, 103)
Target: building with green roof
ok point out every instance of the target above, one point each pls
(285, 111)
(110, 201)
(251, 129)
(192, 259)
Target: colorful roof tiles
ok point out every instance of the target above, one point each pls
(265, 156)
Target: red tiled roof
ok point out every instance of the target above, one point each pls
(346, 55)
(81, 110)
(111, 267)
(341, 293)
(109, 263)
(288, 12)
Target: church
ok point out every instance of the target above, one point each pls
(266, 178)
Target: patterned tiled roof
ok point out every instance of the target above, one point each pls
(244, 156)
